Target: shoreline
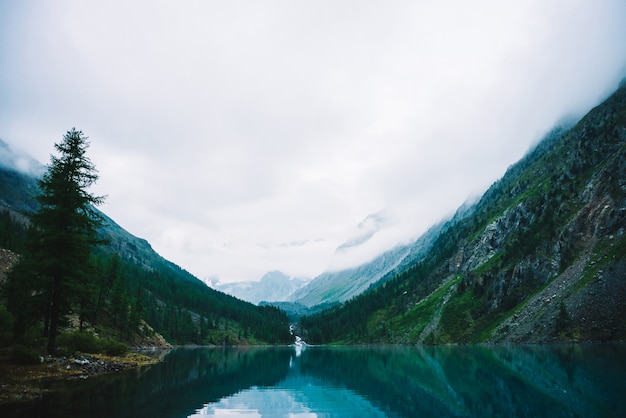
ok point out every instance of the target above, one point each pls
(22, 383)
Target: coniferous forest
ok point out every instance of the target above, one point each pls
(72, 274)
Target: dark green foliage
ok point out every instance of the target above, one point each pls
(138, 284)
(25, 300)
(113, 347)
(12, 232)
(209, 313)
(20, 354)
(54, 266)
(6, 326)
(86, 342)
(121, 293)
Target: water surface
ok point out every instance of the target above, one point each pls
(551, 381)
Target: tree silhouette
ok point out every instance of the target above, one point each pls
(62, 233)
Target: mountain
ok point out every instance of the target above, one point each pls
(332, 287)
(136, 280)
(342, 285)
(17, 188)
(540, 257)
(273, 287)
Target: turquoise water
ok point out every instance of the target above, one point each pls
(534, 381)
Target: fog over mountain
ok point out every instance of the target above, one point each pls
(273, 287)
(241, 138)
(14, 159)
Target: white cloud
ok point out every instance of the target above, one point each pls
(244, 137)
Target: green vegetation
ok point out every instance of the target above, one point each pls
(78, 270)
(12, 233)
(6, 326)
(20, 354)
(86, 342)
(50, 276)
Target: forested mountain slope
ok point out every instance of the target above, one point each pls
(541, 256)
(130, 282)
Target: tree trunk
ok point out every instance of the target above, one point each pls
(46, 322)
(55, 309)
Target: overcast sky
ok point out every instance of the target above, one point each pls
(240, 137)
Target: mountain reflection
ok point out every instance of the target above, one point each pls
(569, 380)
(479, 380)
(184, 380)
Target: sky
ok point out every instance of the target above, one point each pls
(241, 137)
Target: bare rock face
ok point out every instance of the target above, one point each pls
(550, 256)
(7, 261)
(576, 274)
(148, 338)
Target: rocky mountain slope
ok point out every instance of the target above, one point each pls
(541, 256)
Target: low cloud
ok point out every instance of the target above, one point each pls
(19, 161)
(241, 139)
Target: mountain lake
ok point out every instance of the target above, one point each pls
(390, 381)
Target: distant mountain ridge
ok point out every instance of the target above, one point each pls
(333, 287)
(274, 286)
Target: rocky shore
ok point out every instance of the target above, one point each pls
(22, 383)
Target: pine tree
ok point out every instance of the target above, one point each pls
(62, 234)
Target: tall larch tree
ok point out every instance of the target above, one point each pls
(63, 231)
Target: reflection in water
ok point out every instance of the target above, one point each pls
(569, 380)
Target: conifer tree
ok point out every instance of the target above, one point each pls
(62, 234)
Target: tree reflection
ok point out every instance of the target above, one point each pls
(572, 380)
